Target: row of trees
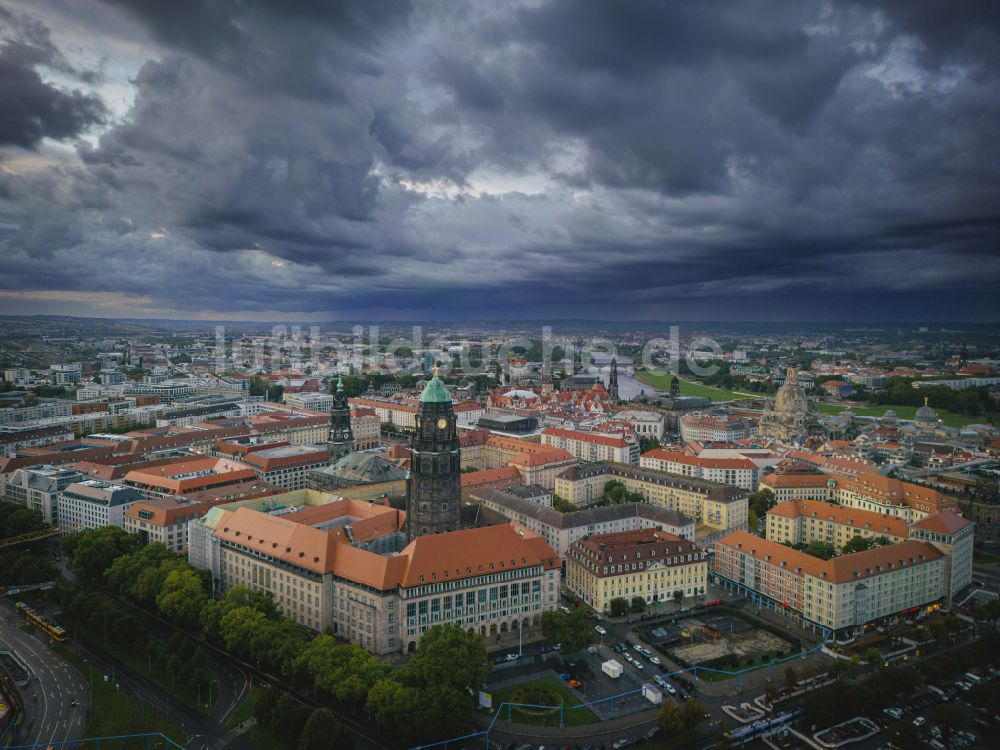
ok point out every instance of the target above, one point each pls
(298, 725)
(900, 392)
(436, 686)
(25, 563)
(616, 493)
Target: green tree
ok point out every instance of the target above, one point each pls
(344, 670)
(323, 731)
(95, 550)
(619, 607)
(182, 596)
(873, 656)
(238, 627)
(140, 574)
(448, 655)
(648, 444)
(573, 630)
(820, 549)
(692, 713)
(563, 506)
(670, 719)
(858, 543)
(264, 708)
(638, 605)
(289, 719)
(761, 501)
(390, 702)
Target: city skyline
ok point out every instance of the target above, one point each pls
(394, 162)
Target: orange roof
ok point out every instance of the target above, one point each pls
(280, 538)
(188, 476)
(487, 476)
(839, 569)
(795, 480)
(705, 463)
(586, 437)
(897, 492)
(166, 511)
(551, 455)
(841, 514)
(944, 522)
(455, 555)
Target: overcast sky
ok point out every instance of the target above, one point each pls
(314, 160)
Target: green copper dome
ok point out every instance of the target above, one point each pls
(435, 392)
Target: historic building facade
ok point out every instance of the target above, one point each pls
(341, 431)
(434, 487)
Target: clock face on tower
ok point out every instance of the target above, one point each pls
(442, 423)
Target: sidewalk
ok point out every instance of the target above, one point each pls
(632, 725)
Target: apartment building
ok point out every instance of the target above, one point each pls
(715, 428)
(561, 530)
(366, 428)
(953, 536)
(399, 412)
(287, 465)
(313, 400)
(739, 472)
(646, 563)
(188, 475)
(40, 488)
(15, 439)
(799, 485)
(592, 446)
(647, 424)
(343, 566)
(164, 520)
(805, 521)
(93, 503)
(882, 494)
(836, 597)
(714, 507)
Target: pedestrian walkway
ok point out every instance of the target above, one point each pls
(611, 729)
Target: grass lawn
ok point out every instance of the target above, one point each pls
(908, 412)
(160, 676)
(116, 713)
(541, 717)
(263, 739)
(691, 388)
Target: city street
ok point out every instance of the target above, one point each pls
(54, 685)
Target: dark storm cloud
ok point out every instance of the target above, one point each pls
(576, 157)
(31, 109)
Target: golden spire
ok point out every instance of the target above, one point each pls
(435, 370)
(926, 399)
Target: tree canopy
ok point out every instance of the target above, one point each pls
(573, 629)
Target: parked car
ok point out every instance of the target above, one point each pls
(654, 660)
(619, 648)
(893, 713)
(919, 721)
(600, 630)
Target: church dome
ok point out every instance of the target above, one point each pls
(925, 415)
(435, 392)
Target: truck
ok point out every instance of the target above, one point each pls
(652, 693)
(612, 668)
